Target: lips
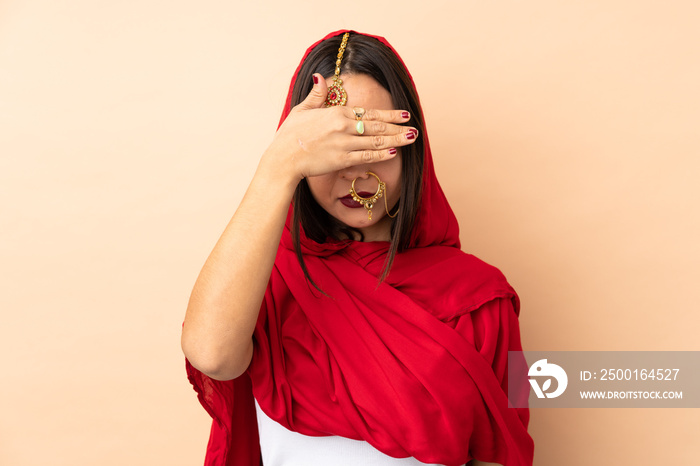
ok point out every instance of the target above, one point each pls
(348, 201)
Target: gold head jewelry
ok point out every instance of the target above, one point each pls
(336, 93)
(368, 202)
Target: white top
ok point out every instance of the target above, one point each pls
(283, 447)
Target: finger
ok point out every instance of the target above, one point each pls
(370, 156)
(389, 116)
(381, 128)
(318, 93)
(379, 141)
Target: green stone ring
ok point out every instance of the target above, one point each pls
(360, 127)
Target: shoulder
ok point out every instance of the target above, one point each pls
(456, 262)
(460, 281)
(484, 281)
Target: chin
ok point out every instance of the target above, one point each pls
(375, 230)
(358, 220)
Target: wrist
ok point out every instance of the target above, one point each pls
(278, 171)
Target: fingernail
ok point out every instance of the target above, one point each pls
(410, 135)
(405, 115)
(414, 131)
(392, 151)
(315, 79)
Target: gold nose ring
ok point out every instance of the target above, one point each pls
(368, 202)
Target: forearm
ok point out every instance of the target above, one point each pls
(225, 301)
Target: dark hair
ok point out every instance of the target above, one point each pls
(363, 55)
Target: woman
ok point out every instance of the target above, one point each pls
(337, 321)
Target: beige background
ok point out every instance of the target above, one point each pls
(565, 136)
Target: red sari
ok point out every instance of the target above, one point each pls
(416, 367)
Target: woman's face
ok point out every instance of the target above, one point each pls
(363, 91)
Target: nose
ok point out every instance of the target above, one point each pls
(356, 171)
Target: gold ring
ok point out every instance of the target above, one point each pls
(359, 112)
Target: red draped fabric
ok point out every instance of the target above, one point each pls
(415, 367)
